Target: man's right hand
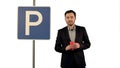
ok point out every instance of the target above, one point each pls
(68, 48)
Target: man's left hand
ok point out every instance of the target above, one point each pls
(76, 46)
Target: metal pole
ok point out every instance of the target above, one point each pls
(33, 2)
(33, 53)
(33, 44)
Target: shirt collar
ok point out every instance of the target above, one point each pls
(74, 28)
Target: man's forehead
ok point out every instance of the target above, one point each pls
(69, 14)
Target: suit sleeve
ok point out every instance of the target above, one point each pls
(58, 44)
(85, 41)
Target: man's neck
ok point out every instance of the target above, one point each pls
(71, 27)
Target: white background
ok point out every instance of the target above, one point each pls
(100, 17)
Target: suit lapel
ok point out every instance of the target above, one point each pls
(67, 34)
(77, 34)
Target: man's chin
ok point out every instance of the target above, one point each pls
(70, 24)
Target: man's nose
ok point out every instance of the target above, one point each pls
(70, 19)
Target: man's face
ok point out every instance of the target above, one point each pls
(70, 19)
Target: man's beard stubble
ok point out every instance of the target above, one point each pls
(70, 23)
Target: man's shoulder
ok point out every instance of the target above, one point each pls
(64, 28)
(80, 27)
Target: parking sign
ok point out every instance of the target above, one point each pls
(33, 22)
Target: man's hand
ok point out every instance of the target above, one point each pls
(76, 46)
(68, 47)
(73, 46)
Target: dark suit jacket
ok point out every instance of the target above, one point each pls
(63, 40)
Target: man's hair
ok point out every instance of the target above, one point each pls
(70, 11)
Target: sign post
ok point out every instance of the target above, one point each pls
(33, 23)
(33, 53)
(33, 44)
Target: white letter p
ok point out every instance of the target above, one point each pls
(28, 23)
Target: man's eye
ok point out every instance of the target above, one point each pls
(71, 17)
(67, 17)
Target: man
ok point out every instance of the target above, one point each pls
(71, 41)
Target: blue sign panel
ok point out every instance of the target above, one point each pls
(33, 22)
